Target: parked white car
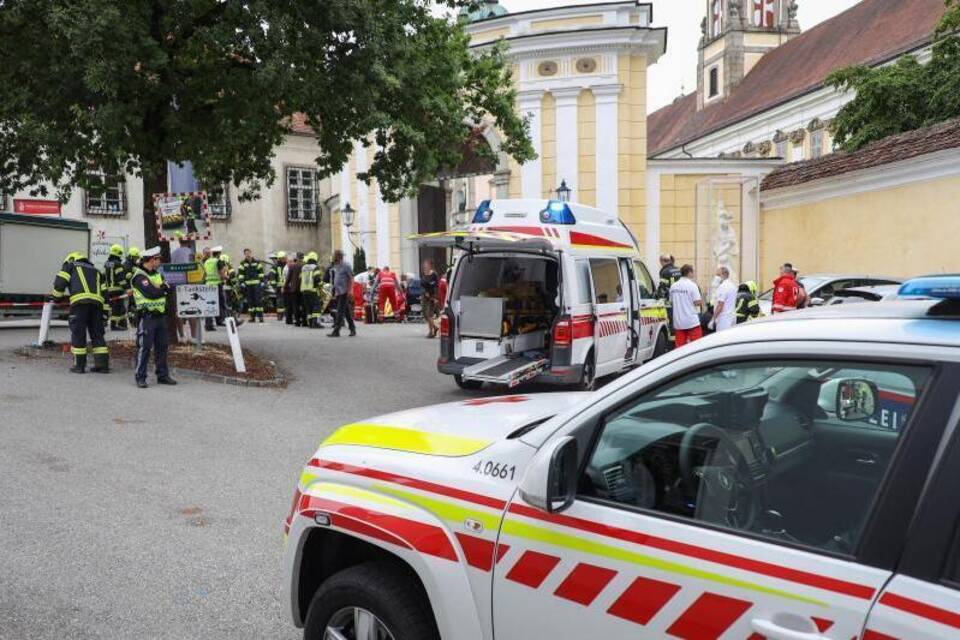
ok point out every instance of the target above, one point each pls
(791, 479)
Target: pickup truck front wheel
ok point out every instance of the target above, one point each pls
(373, 601)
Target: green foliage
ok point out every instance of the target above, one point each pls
(359, 260)
(129, 85)
(903, 96)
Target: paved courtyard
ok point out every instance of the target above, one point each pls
(157, 514)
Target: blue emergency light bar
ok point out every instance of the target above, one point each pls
(483, 214)
(557, 212)
(936, 287)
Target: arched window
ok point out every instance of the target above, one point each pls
(716, 13)
(764, 13)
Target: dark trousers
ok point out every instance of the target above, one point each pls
(118, 309)
(87, 318)
(290, 306)
(254, 294)
(344, 313)
(311, 307)
(301, 309)
(223, 309)
(152, 336)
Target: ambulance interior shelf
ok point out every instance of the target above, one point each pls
(526, 288)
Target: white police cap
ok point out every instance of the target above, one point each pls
(152, 252)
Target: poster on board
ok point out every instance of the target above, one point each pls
(183, 216)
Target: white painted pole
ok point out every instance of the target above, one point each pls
(235, 345)
(45, 323)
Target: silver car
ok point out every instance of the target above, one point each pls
(822, 287)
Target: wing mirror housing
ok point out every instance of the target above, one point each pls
(550, 483)
(817, 302)
(857, 400)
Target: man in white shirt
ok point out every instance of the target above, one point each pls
(725, 309)
(687, 304)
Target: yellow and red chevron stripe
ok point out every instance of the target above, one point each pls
(709, 616)
(598, 531)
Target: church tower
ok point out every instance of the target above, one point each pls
(735, 35)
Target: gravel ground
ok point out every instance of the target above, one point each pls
(127, 513)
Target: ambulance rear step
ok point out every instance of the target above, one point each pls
(507, 370)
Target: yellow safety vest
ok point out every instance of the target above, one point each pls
(150, 305)
(210, 267)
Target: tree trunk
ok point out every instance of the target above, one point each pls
(155, 181)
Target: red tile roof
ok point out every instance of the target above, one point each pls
(904, 146)
(870, 33)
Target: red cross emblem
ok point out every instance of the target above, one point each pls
(479, 402)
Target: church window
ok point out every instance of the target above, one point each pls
(716, 13)
(764, 13)
(816, 144)
(714, 82)
(782, 149)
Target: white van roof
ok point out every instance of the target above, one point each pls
(541, 224)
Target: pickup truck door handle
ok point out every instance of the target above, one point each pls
(773, 631)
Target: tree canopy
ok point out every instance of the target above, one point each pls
(126, 86)
(904, 96)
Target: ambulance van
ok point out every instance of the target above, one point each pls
(546, 290)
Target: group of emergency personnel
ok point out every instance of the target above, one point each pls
(672, 283)
(95, 297)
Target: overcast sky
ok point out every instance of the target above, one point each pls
(678, 68)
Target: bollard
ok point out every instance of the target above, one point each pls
(235, 345)
(45, 317)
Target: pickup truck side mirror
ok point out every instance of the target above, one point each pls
(550, 483)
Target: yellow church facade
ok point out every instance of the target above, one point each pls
(581, 78)
(740, 172)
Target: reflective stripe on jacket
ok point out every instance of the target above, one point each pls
(81, 281)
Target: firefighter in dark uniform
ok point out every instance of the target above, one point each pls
(82, 282)
(276, 280)
(150, 295)
(251, 281)
(311, 281)
(116, 287)
(130, 264)
(748, 306)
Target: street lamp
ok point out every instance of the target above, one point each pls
(460, 215)
(348, 215)
(563, 192)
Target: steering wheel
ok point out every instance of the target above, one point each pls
(726, 494)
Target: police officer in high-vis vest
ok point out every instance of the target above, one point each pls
(81, 281)
(150, 295)
(116, 287)
(213, 277)
(276, 280)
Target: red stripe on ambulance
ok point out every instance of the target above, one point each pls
(708, 617)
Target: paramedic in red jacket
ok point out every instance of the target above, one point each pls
(387, 290)
(786, 292)
(442, 288)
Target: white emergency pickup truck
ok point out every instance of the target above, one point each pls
(546, 290)
(751, 485)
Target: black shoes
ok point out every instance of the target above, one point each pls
(78, 369)
(100, 370)
(142, 384)
(170, 382)
(335, 334)
(353, 334)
